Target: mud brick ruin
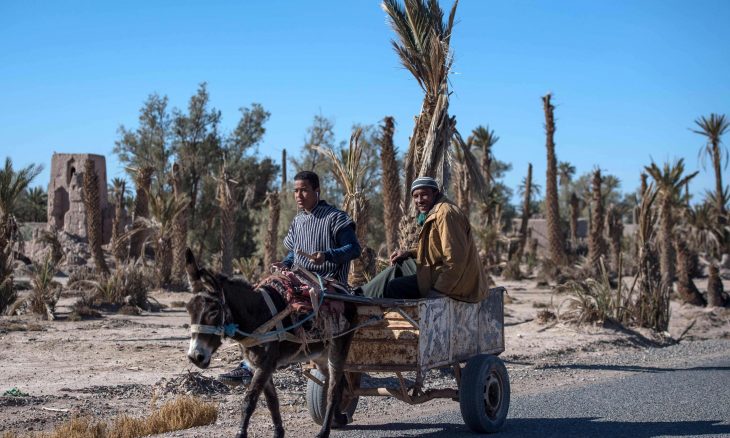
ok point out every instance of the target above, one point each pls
(65, 202)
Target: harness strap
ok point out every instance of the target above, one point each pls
(272, 307)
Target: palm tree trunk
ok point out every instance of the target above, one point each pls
(283, 171)
(716, 161)
(666, 255)
(179, 230)
(226, 204)
(574, 212)
(596, 242)
(392, 211)
(163, 255)
(118, 244)
(272, 232)
(615, 233)
(525, 213)
(143, 181)
(685, 286)
(714, 287)
(555, 236)
(93, 216)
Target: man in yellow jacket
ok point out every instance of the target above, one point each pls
(444, 261)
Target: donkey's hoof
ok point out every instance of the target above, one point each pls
(339, 421)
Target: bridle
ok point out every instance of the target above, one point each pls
(229, 330)
(223, 330)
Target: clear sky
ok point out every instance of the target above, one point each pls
(628, 77)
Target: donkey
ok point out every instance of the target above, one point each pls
(220, 302)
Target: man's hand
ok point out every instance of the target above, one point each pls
(399, 255)
(318, 258)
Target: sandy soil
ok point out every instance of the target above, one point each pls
(124, 364)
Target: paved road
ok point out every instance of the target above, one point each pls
(655, 402)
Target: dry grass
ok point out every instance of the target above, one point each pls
(127, 285)
(19, 326)
(182, 413)
(177, 304)
(83, 311)
(544, 316)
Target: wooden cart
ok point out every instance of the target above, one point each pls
(420, 335)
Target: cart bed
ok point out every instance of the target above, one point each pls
(417, 335)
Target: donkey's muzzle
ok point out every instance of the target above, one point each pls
(199, 358)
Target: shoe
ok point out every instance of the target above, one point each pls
(239, 376)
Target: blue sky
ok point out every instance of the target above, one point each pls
(628, 77)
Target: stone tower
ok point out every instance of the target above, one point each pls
(65, 203)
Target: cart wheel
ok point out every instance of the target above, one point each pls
(484, 393)
(317, 398)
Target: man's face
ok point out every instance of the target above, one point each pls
(424, 199)
(304, 195)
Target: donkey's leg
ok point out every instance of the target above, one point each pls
(272, 400)
(260, 378)
(336, 357)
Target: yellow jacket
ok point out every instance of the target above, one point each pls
(447, 257)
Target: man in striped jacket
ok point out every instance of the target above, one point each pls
(321, 239)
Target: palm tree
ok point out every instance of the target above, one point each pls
(574, 213)
(283, 171)
(118, 192)
(12, 185)
(596, 241)
(36, 200)
(615, 227)
(714, 128)
(469, 177)
(423, 46)
(350, 170)
(566, 171)
(92, 205)
(180, 228)
(143, 183)
(714, 287)
(669, 181)
(392, 211)
(527, 189)
(164, 209)
(226, 196)
(685, 286)
(555, 235)
(483, 139)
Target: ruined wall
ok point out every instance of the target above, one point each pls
(65, 203)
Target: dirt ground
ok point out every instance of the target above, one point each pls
(125, 364)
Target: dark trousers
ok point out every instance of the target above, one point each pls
(397, 281)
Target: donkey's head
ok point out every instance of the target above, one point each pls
(207, 311)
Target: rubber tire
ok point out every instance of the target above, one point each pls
(480, 414)
(316, 398)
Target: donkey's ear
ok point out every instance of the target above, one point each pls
(193, 272)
